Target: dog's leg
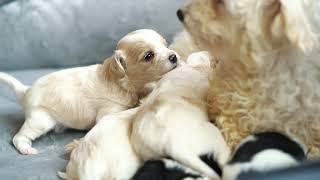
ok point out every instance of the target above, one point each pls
(196, 164)
(38, 123)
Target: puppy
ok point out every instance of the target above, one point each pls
(269, 75)
(77, 97)
(167, 169)
(172, 121)
(105, 152)
(264, 152)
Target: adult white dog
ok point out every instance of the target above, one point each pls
(77, 97)
(173, 121)
(270, 70)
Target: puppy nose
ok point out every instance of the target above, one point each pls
(173, 58)
(180, 15)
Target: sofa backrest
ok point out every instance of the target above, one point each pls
(55, 33)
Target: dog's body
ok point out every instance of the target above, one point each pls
(269, 78)
(105, 152)
(173, 120)
(77, 97)
(264, 152)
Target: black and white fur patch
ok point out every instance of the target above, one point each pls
(167, 169)
(209, 159)
(263, 152)
(164, 169)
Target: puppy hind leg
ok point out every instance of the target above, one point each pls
(196, 164)
(38, 123)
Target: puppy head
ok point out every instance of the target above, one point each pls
(228, 24)
(142, 56)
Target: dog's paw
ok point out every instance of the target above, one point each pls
(29, 151)
(73, 145)
(62, 175)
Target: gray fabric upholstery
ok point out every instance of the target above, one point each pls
(54, 33)
(41, 36)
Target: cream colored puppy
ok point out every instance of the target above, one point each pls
(173, 120)
(77, 97)
(105, 152)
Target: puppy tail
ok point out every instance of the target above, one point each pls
(18, 88)
(62, 175)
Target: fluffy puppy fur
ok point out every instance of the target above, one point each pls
(105, 152)
(173, 120)
(77, 97)
(186, 48)
(264, 152)
(269, 78)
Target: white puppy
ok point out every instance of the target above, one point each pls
(105, 152)
(173, 121)
(77, 97)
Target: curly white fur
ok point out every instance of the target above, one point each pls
(270, 69)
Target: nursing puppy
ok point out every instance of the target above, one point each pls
(105, 152)
(77, 97)
(269, 75)
(173, 122)
(264, 152)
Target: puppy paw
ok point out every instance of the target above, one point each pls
(29, 151)
(73, 145)
(199, 58)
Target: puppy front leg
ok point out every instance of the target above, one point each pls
(38, 123)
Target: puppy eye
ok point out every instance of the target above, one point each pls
(148, 56)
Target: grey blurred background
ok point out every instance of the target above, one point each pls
(41, 36)
(55, 33)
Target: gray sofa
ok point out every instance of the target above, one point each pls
(41, 36)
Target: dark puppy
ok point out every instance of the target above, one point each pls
(264, 152)
(167, 169)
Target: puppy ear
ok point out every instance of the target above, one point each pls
(120, 60)
(292, 21)
(114, 66)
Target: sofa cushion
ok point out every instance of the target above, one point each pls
(54, 33)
